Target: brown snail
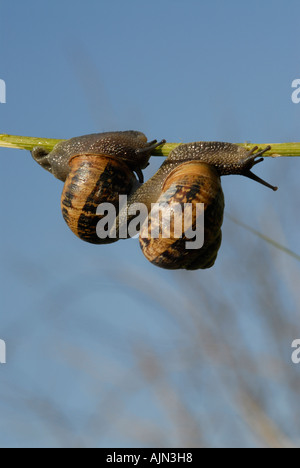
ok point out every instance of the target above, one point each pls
(99, 168)
(96, 168)
(191, 174)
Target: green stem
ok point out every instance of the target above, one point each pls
(27, 143)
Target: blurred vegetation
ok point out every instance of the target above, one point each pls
(212, 367)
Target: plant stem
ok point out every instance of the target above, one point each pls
(28, 143)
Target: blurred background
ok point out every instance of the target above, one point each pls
(104, 349)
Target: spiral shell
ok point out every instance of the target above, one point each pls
(92, 180)
(190, 183)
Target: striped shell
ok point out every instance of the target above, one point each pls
(194, 183)
(92, 180)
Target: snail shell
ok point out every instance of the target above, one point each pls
(92, 180)
(193, 183)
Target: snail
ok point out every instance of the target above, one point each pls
(96, 168)
(191, 174)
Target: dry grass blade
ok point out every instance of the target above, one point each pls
(275, 244)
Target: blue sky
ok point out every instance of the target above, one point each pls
(179, 70)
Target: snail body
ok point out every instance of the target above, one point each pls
(97, 169)
(192, 173)
(130, 146)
